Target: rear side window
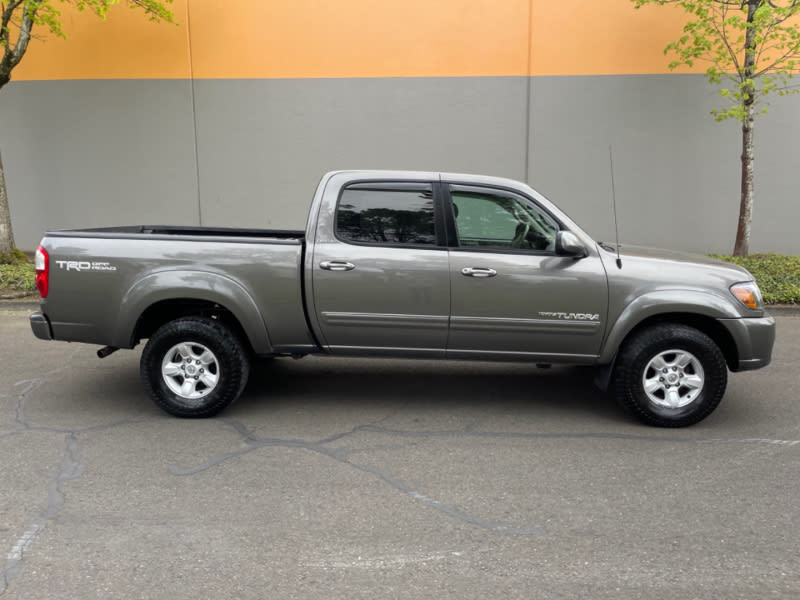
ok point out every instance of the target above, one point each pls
(386, 214)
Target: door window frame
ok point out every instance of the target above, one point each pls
(450, 217)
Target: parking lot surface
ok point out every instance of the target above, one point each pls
(340, 478)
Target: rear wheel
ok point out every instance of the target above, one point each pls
(194, 367)
(670, 375)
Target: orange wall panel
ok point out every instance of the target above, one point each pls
(602, 37)
(359, 38)
(124, 46)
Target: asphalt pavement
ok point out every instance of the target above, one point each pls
(339, 478)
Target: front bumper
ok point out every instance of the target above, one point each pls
(754, 338)
(40, 325)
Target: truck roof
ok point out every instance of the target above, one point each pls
(428, 175)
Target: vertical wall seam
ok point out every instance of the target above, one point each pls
(528, 94)
(194, 115)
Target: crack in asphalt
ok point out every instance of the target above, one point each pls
(342, 455)
(67, 430)
(33, 384)
(69, 468)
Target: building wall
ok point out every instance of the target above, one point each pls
(231, 116)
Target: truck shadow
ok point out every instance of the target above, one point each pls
(319, 383)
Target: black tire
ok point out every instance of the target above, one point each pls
(194, 367)
(670, 375)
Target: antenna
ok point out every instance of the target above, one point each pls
(614, 205)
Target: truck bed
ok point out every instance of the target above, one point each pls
(132, 231)
(106, 280)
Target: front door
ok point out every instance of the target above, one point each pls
(381, 280)
(511, 294)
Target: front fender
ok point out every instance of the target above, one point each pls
(651, 304)
(191, 285)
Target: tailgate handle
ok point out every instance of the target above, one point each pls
(478, 272)
(336, 265)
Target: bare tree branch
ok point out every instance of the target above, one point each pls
(794, 52)
(723, 34)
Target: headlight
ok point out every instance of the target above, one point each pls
(748, 294)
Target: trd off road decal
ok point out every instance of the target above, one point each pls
(81, 265)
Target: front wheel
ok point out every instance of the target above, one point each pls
(670, 375)
(194, 367)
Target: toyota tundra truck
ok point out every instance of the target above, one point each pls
(406, 264)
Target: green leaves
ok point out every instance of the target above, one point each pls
(17, 274)
(752, 47)
(15, 257)
(18, 18)
(47, 14)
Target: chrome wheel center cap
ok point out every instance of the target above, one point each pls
(190, 370)
(673, 378)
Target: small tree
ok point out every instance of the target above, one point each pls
(18, 18)
(752, 46)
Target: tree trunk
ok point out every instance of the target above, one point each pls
(6, 233)
(742, 245)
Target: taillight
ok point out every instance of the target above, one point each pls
(42, 263)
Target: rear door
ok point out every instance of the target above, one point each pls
(380, 278)
(511, 294)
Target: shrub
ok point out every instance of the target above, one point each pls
(20, 276)
(15, 257)
(777, 275)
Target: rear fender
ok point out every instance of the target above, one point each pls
(192, 285)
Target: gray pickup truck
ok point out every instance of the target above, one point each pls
(405, 264)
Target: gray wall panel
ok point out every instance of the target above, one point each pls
(91, 153)
(264, 144)
(94, 153)
(677, 171)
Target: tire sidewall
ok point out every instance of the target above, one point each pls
(655, 341)
(220, 341)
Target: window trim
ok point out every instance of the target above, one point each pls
(397, 185)
(452, 231)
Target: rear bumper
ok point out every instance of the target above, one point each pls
(40, 325)
(754, 338)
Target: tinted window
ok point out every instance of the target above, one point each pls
(376, 215)
(500, 220)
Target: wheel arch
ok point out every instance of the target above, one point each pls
(704, 323)
(164, 311)
(697, 308)
(165, 296)
(710, 326)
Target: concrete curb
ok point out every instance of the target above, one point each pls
(784, 310)
(21, 303)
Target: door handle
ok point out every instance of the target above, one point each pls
(336, 265)
(478, 272)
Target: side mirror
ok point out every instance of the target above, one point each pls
(568, 244)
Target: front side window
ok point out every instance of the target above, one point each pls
(400, 214)
(499, 220)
